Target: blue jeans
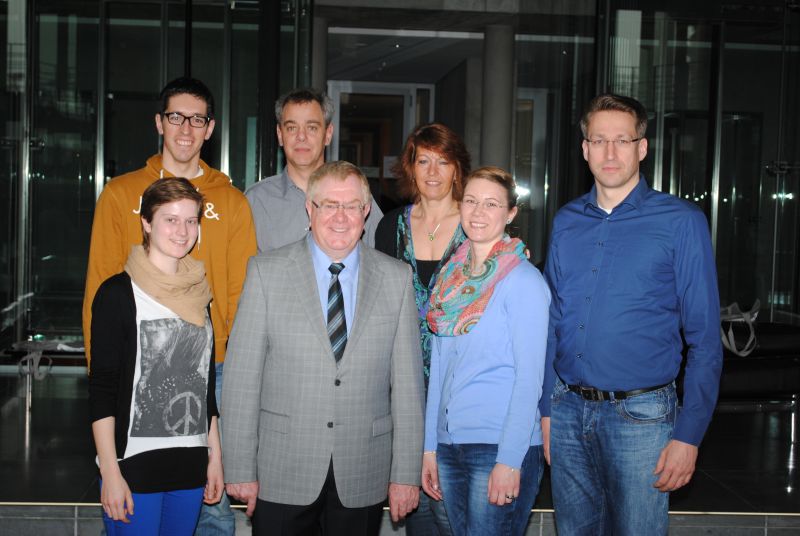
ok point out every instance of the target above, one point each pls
(217, 519)
(464, 476)
(170, 513)
(429, 519)
(603, 455)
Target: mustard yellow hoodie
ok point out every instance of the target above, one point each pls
(227, 240)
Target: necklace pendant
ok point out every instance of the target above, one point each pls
(432, 234)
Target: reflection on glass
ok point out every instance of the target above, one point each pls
(370, 135)
(12, 64)
(133, 82)
(244, 99)
(62, 164)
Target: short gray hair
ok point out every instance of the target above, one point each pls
(302, 96)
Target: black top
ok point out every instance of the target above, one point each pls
(386, 242)
(114, 346)
(386, 234)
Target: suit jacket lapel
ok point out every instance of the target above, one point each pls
(369, 284)
(305, 284)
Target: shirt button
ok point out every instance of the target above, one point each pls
(588, 299)
(330, 425)
(594, 270)
(579, 356)
(337, 382)
(580, 326)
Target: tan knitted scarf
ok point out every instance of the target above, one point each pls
(186, 293)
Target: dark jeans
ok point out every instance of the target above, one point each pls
(429, 519)
(603, 455)
(464, 475)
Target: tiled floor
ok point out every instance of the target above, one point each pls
(747, 464)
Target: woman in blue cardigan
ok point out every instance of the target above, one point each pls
(489, 310)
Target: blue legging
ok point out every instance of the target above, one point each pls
(169, 513)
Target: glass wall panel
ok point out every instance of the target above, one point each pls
(666, 63)
(555, 78)
(244, 99)
(762, 190)
(208, 48)
(721, 90)
(62, 162)
(133, 81)
(12, 95)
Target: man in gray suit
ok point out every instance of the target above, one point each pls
(323, 391)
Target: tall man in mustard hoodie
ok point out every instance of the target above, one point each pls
(227, 236)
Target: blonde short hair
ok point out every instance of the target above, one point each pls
(339, 170)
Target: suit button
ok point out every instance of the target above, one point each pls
(330, 425)
(337, 383)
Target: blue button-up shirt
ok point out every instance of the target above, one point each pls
(625, 286)
(348, 280)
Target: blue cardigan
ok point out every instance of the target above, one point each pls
(485, 386)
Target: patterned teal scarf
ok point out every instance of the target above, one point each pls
(405, 245)
(459, 299)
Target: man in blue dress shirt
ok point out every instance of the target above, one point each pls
(632, 275)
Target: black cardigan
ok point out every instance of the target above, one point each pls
(113, 365)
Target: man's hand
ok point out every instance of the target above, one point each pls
(546, 438)
(675, 465)
(403, 499)
(247, 492)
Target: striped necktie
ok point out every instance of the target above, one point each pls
(337, 325)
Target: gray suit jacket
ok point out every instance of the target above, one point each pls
(289, 409)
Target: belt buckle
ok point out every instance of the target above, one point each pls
(590, 393)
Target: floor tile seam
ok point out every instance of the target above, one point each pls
(728, 489)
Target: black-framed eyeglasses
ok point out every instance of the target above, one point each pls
(177, 119)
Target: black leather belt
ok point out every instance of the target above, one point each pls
(590, 393)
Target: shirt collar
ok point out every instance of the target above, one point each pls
(287, 185)
(322, 261)
(634, 199)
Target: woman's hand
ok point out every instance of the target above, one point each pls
(430, 476)
(503, 484)
(116, 497)
(215, 482)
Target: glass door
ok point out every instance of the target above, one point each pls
(530, 168)
(371, 123)
(722, 92)
(61, 178)
(757, 241)
(13, 149)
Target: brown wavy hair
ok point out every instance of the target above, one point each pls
(438, 138)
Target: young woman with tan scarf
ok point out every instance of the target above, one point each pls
(151, 386)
